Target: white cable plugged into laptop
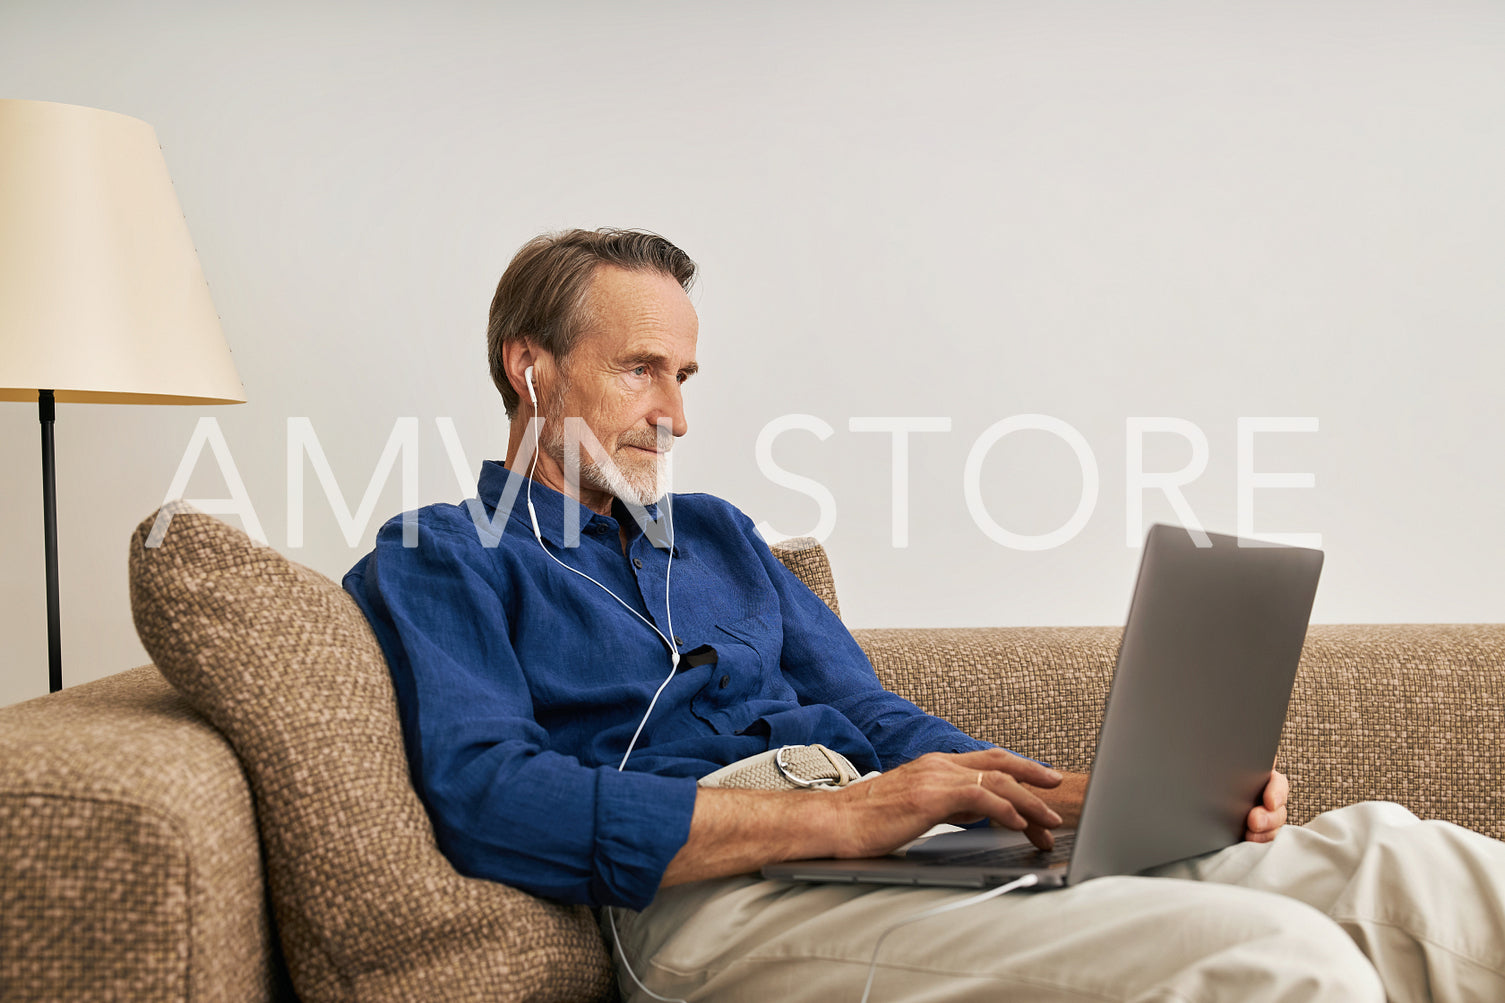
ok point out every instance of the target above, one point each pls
(1026, 881)
(992, 893)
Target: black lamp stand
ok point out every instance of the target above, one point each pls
(46, 411)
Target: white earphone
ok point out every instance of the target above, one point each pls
(532, 394)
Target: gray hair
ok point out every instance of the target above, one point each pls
(542, 295)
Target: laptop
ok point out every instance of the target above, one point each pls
(1204, 674)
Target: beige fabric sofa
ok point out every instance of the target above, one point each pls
(132, 864)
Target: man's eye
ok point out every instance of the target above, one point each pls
(640, 370)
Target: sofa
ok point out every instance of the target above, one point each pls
(235, 822)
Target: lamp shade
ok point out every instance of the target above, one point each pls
(101, 296)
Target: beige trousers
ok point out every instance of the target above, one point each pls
(1363, 903)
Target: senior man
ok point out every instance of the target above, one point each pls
(571, 653)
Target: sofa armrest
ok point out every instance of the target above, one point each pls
(130, 866)
(1400, 712)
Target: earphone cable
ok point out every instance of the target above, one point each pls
(673, 668)
(628, 965)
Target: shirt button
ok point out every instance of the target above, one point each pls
(678, 640)
(725, 680)
(637, 562)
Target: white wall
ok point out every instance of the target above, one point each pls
(1093, 211)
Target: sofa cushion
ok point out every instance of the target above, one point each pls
(282, 661)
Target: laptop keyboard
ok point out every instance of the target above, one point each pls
(1016, 856)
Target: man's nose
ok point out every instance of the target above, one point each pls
(672, 408)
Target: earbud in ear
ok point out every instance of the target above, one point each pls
(532, 394)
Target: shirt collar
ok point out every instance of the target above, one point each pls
(495, 483)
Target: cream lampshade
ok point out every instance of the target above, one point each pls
(102, 300)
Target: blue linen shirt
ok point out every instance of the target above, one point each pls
(520, 683)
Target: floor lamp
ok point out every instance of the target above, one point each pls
(102, 300)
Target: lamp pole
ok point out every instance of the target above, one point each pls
(46, 412)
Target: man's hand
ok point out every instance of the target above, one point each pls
(889, 810)
(1266, 818)
(1066, 798)
(1260, 827)
(736, 832)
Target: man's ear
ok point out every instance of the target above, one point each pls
(517, 356)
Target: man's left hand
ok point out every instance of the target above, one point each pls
(1266, 818)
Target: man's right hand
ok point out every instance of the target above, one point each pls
(889, 810)
(737, 831)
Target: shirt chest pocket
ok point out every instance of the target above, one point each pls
(746, 676)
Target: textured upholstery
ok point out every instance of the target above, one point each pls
(1407, 713)
(129, 861)
(1038, 690)
(1411, 713)
(282, 661)
(807, 558)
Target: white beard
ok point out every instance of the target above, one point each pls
(640, 487)
(637, 485)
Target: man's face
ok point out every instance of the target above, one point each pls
(622, 379)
